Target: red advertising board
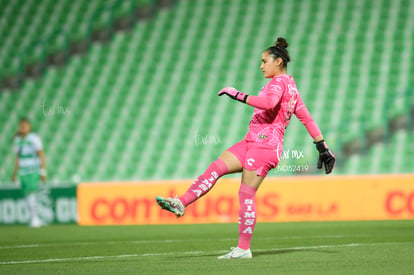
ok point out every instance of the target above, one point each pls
(311, 198)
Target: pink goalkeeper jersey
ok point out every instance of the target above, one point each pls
(268, 126)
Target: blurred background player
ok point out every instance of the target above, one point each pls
(261, 149)
(30, 164)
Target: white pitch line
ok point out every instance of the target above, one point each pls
(20, 246)
(90, 243)
(87, 258)
(66, 259)
(168, 241)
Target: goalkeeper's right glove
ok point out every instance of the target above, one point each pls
(233, 94)
(325, 156)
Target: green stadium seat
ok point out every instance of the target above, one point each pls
(136, 102)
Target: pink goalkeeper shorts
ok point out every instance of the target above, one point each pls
(253, 156)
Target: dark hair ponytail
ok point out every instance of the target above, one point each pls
(279, 50)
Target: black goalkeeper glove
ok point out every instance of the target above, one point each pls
(325, 156)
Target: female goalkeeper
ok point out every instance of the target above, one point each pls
(256, 154)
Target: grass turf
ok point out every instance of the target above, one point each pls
(380, 247)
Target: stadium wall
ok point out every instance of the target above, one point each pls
(283, 199)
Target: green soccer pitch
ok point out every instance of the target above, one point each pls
(369, 247)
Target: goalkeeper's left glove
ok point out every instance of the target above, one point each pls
(234, 94)
(325, 156)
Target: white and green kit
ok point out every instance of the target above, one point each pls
(29, 163)
(27, 149)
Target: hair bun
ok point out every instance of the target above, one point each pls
(281, 42)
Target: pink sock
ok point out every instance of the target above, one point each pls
(247, 215)
(205, 182)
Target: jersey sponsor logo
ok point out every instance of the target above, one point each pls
(293, 92)
(249, 222)
(206, 184)
(275, 88)
(197, 192)
(250, 162)
(248, 230)
(249, 214)
(203, 187)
